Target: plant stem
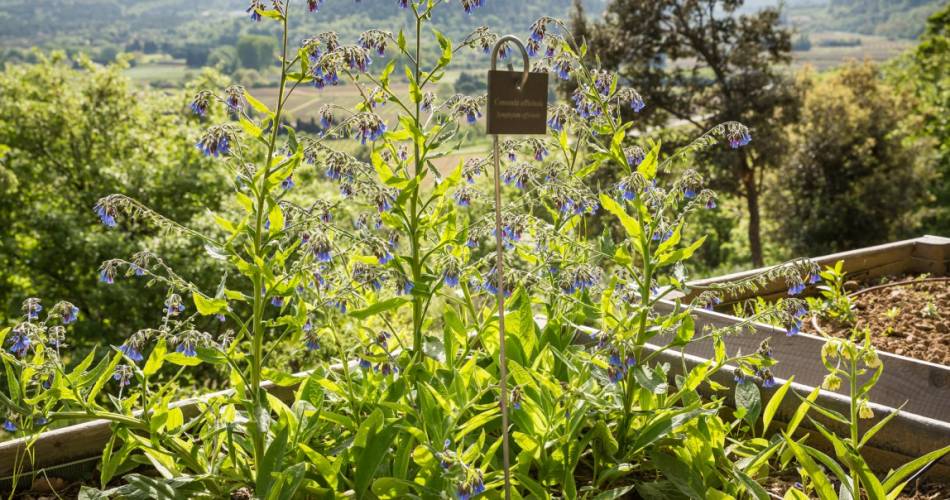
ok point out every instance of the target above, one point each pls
(852, 380)
(416, 264)
(257, 337)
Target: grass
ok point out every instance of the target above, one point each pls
(161, 71)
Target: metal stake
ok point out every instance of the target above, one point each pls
(499, 272)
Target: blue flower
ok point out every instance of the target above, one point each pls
(220, 317)
(794, 328)
(384, 257)
(614, 359)
(451, 279)
(470, 5)
(627, 190)
(313, 5)
(33, 309)
(689, 193)
(768, 381)
(637, 104)
(106, 215)
(253, 10)
(711, 204)
(288, 183)
(540, 152)
(364, 364)
(631, 361)
(132, 352)
(532, 47)
(473, 115)
(614, 375)
(796, 289)
(9, 426)
(187, 348)
(277, 301)
(106, 276)
(21, 344)
(563, 69)
(813, 278)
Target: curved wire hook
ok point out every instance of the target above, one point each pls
(524, 55)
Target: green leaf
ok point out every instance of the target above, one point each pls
(257, 105)
(895, 477)
(774, 403)
(156, 359)
(206, 306)
(250, 127)
(276, 219)
(446, 46)
(801, 411)
(379, 307)
(679, 255)
(375, 448)
(103, 378)
(749, 398)
(822, 485)
(629, 223)
(878, 426)
(648, 166)
(271, 463)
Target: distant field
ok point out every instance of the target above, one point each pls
(874, 48)
(166, 72)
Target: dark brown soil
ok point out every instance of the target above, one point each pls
(777, 486)
(911, 320)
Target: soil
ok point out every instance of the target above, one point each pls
(911, 320)
(777, 486)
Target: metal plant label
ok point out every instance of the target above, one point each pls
(515, 109)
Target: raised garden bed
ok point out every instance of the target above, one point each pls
(922, 387)
(907, 315)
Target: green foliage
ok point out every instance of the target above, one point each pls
(852, 361)
(856, 176)
(891, 18)
(71, 136)
(834, 303)
(714, 69)
(255, 51)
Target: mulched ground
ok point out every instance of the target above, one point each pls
(910, 320)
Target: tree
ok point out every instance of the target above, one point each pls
(697, 62)
(224, 59)
(72, 136)
(255, 51)
(856, 176)
(927, 73)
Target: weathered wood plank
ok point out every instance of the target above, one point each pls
(924, 254)
(924, 386)
(904, 438)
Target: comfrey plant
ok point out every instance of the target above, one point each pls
(854, 362)
(390, 276)
(834, 302)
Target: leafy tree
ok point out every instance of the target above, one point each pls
(73, 135)
(255, 51)
(470, 83)
(926, 72)
(856, 176)
(224, 59)
(699, 63)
